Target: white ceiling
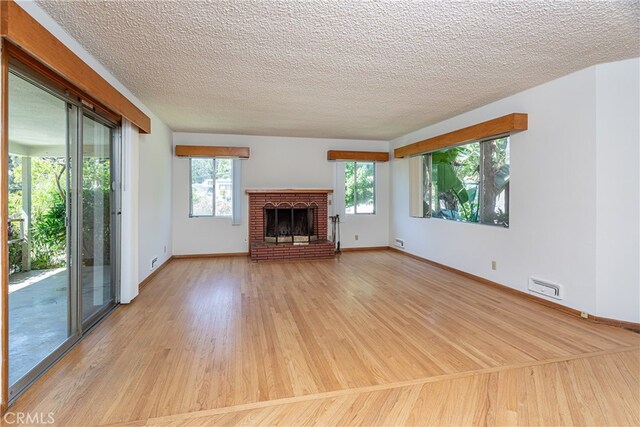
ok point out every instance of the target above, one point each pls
(36, 118)
(345, 69)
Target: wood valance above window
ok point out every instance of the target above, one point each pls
(358, 156)
(212, 151)
(505, 125)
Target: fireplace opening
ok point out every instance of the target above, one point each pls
(289, 225)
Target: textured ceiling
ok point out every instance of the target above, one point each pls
(346, 69)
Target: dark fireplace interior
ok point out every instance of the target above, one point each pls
(289, 225)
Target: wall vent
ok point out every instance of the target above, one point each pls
(546, 288)
(400, 243)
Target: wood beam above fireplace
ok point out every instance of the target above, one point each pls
(288, 190)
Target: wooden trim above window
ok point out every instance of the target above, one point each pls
(25, 33)
(359, 156)
(27, 65)
(212, 151)
(511, 123)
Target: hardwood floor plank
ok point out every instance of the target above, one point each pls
(541, 394)
(215, 333)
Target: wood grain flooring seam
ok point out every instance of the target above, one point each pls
(374, 388)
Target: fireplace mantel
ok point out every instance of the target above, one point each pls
(288, 191)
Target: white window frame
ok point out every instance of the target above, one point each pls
(213, 191)
(355, 193)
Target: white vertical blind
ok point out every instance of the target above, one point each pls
(236, 216)
(129, 218)
(338, 192)
(416, 207)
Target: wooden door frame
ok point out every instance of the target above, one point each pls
(4, 206)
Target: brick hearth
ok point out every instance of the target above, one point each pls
(261, 250)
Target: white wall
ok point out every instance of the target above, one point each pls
(154, 157)
(618, 190)
(155, 187)
(276, 162)
(552, 233)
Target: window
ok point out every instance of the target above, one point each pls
(360, 188)
(455, 178)
(468, 183)
(211, 187)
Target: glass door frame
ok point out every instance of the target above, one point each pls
(73, 333)
(114, 216)
(77, 329)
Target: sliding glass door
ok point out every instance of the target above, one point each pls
(40, 294)
(63, 224)
(98, 217)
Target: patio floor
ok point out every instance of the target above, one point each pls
(38, 313)
(38, 307)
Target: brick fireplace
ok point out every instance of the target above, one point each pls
(289, 224)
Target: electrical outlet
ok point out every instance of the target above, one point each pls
(356, 237)
(494, 265)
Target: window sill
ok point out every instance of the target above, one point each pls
(465, 222)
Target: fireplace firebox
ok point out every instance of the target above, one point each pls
(289, 225)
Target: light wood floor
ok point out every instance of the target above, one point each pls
(370, 338)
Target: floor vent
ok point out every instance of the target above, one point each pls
(543, 287)
(400, 243)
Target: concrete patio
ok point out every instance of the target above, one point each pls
(38, 312)
(38, 317)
